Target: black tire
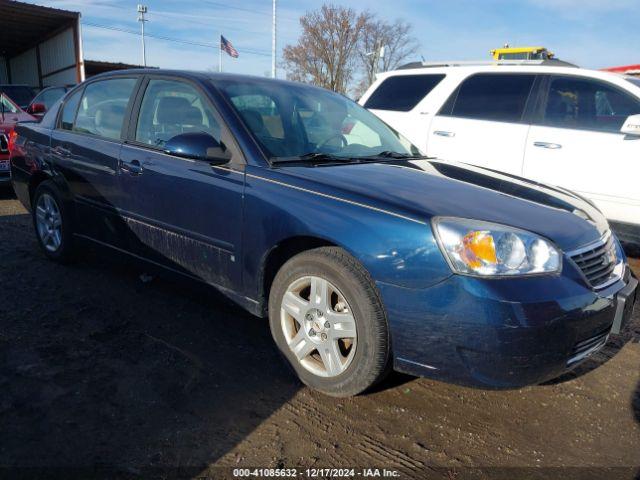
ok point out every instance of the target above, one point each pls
(66, 252)
(371, 361)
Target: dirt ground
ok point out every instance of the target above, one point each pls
(102, 371)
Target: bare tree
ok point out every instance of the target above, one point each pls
(399, 45)
(326, 52)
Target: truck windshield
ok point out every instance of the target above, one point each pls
(6, 105)
(21, 95)
(294, 120)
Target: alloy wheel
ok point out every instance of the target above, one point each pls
(49, 222)
(318, 326)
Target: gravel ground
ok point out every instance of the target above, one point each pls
(104, 370)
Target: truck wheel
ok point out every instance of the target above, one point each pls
(52, 223)
(329, 323)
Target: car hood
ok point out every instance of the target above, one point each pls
(10, 119)
(427, 188)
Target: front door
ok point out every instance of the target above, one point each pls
(183, 214)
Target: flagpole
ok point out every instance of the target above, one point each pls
(220, 55)
(273, 42)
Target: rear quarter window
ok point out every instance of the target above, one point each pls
(403, 92)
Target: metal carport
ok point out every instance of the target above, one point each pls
(39, 46)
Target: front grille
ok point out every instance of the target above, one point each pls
(4, 143)
(598, 261)
(586, 347)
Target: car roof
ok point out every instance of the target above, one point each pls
(465, 69)
(198, 75)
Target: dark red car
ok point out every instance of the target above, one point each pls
(10, 114)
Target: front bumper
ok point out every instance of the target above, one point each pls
(500, 333)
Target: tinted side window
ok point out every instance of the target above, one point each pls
(496, 97)
(588, 104)
(633, 81)
(103, 107)
(69, 111)
(170, 108)
(402, 92)
(49, 97)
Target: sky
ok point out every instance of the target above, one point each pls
(590, 33)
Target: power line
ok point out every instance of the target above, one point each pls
(242, 9)
(233, 7)
(176, 40)
(207, 24)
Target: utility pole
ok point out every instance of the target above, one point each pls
(273, 43)
(380, 57)
(377, 55)
(142, 9)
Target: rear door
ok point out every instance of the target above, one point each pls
(484, 121)
(85, 147)
(183, 214)
(577, 144)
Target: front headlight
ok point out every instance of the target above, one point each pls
(488, 249)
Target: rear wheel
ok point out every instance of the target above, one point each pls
(329, 323)
(52, 223)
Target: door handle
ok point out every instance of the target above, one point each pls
(133, 167)
(442, 133)
(551, 146)
(62, 150)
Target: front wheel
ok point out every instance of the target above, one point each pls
(328, 321)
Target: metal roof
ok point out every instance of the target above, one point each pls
(23, 25)
(96, 67)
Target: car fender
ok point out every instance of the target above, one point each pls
(393, 248)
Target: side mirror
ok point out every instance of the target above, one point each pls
(36, 108)
(198, 146)
(631, 125)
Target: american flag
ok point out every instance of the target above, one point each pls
(226, 46)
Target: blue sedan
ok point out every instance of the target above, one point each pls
(303, 207)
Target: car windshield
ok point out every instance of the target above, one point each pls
(20, 94)
(291, 121)
(7, 106)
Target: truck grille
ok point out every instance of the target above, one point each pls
(4, 143)
(598, 261)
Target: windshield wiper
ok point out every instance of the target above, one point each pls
(317, 157)
(395, 155)
(314, 157)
